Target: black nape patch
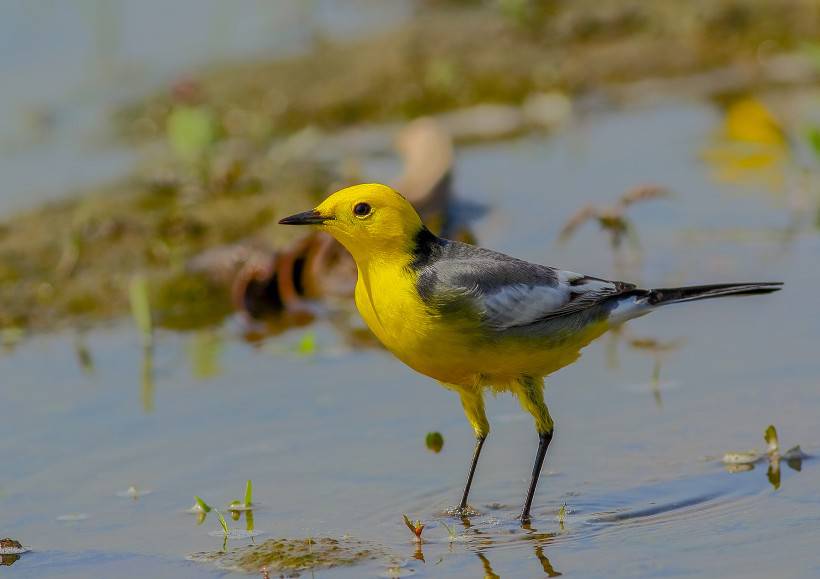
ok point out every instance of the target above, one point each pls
(425, 250)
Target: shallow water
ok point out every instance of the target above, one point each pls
(334, 442)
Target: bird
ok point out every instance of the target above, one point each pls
(475, 319)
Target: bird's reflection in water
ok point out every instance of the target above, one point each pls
(488, 569)
(482, 544)
(546, 565)
(654, 347)
(545, 562)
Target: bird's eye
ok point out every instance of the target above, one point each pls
(361, 209)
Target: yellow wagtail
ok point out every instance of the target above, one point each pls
(472, 318)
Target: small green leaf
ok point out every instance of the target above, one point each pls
(248, 493)
(222, 522)
(203, 506)
(141, 308)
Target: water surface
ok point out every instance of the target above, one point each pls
(334, 442)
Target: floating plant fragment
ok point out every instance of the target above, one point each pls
(287, 556)
(434, 441)
(10, 551)
(415, 527)
(12, 547)
(747, 457)
(794, 453)
(133, 492)
(745, 461)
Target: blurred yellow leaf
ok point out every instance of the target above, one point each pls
(750, 146)
(749, 120)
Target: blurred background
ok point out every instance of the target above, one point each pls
(161, 337)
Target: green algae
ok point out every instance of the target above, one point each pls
(294, 555)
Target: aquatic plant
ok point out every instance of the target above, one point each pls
(612, 218)
(290, 555)
(746, 460)
(416, 527)
(237, 505)
(223, 523)
(141, 309)
(434, 441)
(451, 531)
(562, 515)
(200, 506)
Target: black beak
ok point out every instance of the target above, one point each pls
(312, 217)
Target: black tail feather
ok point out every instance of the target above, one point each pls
(703, 292)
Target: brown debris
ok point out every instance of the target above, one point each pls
(612, 218)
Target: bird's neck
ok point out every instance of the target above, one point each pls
(412, 253)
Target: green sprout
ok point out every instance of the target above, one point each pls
(451, 531)
(141, 308)
(223, 523)
(415, 527)
(434, 441)
(562, 515)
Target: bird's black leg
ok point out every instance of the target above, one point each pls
(544, 439)
(473, 402)
(530, 392)
(479, 442)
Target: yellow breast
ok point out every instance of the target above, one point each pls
(387, 299)
(448, 350)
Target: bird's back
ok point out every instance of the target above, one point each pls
(509, 296)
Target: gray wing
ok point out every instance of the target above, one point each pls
(509, 293)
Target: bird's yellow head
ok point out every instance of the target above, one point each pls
(369, 220)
